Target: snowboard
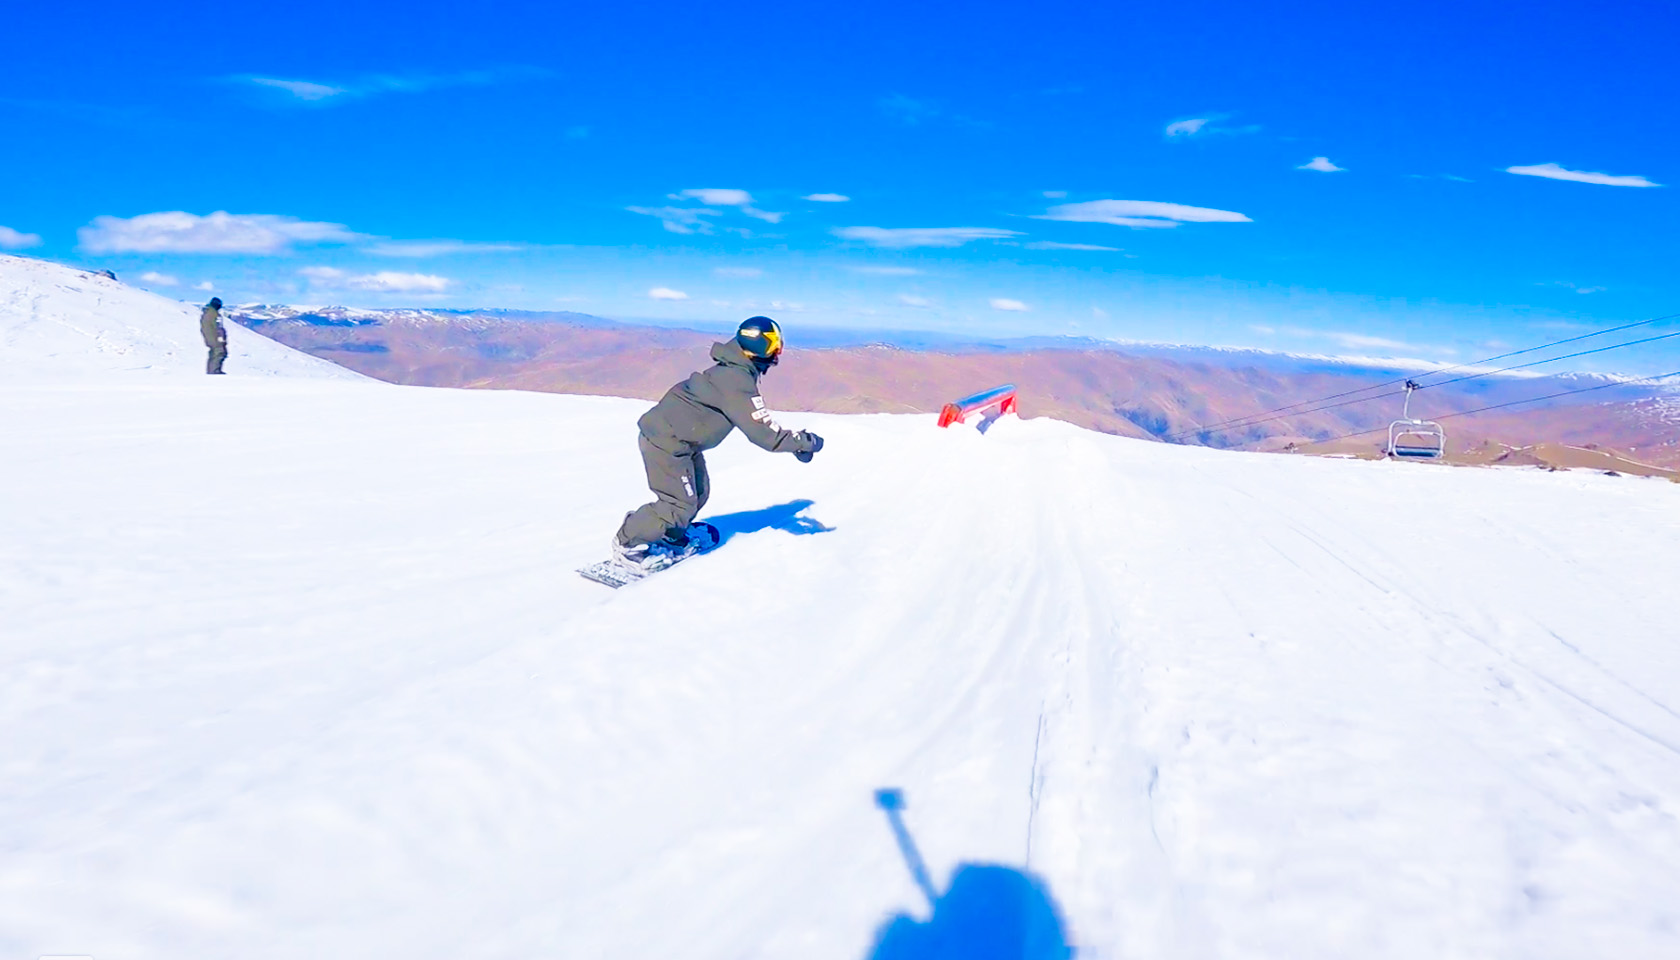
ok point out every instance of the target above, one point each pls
(702, 538)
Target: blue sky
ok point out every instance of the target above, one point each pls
(1323, 177)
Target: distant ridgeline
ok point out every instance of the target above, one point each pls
(1159, 391)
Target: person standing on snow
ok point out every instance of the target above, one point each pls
(695, 416)
(215, 335)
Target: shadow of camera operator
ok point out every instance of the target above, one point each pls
(989, 911)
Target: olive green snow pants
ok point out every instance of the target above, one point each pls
(679, 482)
(218, 353)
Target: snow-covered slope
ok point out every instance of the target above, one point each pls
(298, 665)
(306, 671)
(59, 323)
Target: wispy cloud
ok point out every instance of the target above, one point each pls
(297, 89)
(1004, 303)
(1322, 165)
(721, 197)
(1139, 213)
(887, 271)
(827, 197)
(908, 110)
(666, 293)
(1053, 245)
(301, 89)
(1552, 171)
(715, 196)
(679, 219)
(738, 273)
(1360, 341)
(206, 286)
(437, 248)
(220, 232)
(911, 300)
(1055, 194)
(1208, 126)
(159, 279)
(18, 240)
(901, 237)
(384, 281)
(1574, 287)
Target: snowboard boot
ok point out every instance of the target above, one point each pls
(632, 555)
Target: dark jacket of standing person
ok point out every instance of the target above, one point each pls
(215, 335)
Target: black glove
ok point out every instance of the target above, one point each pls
(816, 444)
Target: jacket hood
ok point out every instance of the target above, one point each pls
(730, 352)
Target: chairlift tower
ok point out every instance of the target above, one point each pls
(1411, 439)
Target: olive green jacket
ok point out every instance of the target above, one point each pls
(698, 413)
(210, 324)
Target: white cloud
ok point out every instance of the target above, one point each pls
(666, 293)
(827, 197)
(911, 300)
(1322, 165)
(738, 273)
(1575, 287)
(206, 286)
(384, 281)
(302, 89)
(716, 197)
(1359, 341)
(159, 279)
(899, 237)
(312, 91)
(1139, 213)
(908, 110)
(389, 281)
(679, 219)
(1003, 303)
(1053, 245)
(721, 197)
(1054, 194)
(437, 248)
(220, 232)
(887, 271)
(1552, 171)
(1209, 126)
(17, 240)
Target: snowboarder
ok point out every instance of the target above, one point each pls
(695, 416)
(215, 335)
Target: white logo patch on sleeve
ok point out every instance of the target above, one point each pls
(758, 402)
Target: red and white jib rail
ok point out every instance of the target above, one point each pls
(1001, 399)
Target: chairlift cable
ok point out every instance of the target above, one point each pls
(1223, 426)
(1511, 403)
(1567, 356)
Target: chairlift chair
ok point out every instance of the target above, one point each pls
(1415, 439)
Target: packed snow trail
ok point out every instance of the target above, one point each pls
(296, 667)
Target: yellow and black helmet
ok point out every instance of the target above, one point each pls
(760, 338)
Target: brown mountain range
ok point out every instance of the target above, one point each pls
(1099, 387)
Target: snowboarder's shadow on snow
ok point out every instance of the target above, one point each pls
(989, 912)
(783, 516)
